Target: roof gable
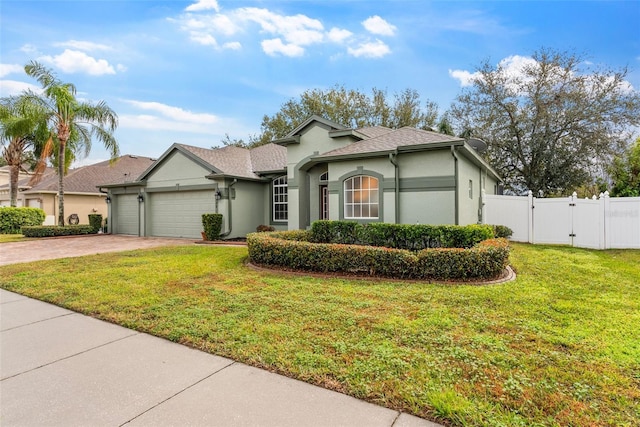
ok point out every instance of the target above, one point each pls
(232, 161)
(389, 140)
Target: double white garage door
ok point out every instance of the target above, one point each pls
(174, 214)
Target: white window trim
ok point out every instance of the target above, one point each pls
(275, 185)
(368, 203)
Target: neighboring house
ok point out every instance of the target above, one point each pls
(81, 195)
(5, 175)
(321, 170)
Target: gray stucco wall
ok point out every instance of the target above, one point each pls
(246, 207)
(177, 169)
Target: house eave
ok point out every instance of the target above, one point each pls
(347, 132)
(238, 177)
(123, 184)
(287, 141)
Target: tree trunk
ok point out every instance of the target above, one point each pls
(14, 173)
(61, 162)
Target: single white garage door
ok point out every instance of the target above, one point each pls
(125, 219)
(178, 214)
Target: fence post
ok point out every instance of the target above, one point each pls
(606, 223)
(530, 217)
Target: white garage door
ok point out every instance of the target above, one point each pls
(179, 214)
(125, 219)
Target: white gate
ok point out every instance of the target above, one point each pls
(599, 223)
(553, 221)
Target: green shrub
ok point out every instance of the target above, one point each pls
(485, 260)
(325, 231)
(95, 221)
(502, 231)
(212, 224)
(400, 236)
(55, 230)
(265, 228)
(12, 219)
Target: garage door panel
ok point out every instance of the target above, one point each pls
(179, 214)
(126, 214)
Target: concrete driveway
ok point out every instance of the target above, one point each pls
(64, 247)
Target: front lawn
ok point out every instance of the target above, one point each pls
(559, 346)
(8, 238)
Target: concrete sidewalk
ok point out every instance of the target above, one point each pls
(60, 368)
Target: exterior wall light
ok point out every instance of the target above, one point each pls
(108, 199)
(140, 198)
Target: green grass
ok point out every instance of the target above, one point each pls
(560, 346)
(9, 238)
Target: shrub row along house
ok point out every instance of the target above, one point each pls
(321, 170)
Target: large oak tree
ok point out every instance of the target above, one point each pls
(348, 107)
(552, 122)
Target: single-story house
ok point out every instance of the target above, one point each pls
(321, 170)
(81, 195)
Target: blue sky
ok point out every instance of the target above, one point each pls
(193, 71)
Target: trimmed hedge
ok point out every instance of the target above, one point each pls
(400, 236)
(56, 230)
(95, 221)
(212, 224)
(12, 219)
(485, 260)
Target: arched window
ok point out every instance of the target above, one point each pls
(280, 202)
(361, 197)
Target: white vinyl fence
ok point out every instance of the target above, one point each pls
(600, 222)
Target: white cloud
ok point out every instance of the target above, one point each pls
(204, 39)
(14, 87)
(203, 5)
(73, 61)
(278, 34)
(513, 67)
(465, 77)
(376, 49)
(295, 29)
(276, 46)
(29, 48)
(121, 68)
(83, 45)
(232, 46)
(173, 113)
(377, 25)
(338, 35)
(6, 69)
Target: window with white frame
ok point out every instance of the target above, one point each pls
(361, 197)
(280, 201)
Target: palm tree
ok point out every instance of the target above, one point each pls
(70, 121)
(21, 132)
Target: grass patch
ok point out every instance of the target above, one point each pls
(10, 238)
(559, 346)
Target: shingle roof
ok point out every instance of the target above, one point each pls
(242, 162)
(389, 141)
(374, 131)
(86, 179)
(269, 157)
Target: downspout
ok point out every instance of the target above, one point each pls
(108, 218)
(456, 183)
(394, 161)
(223, 235)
